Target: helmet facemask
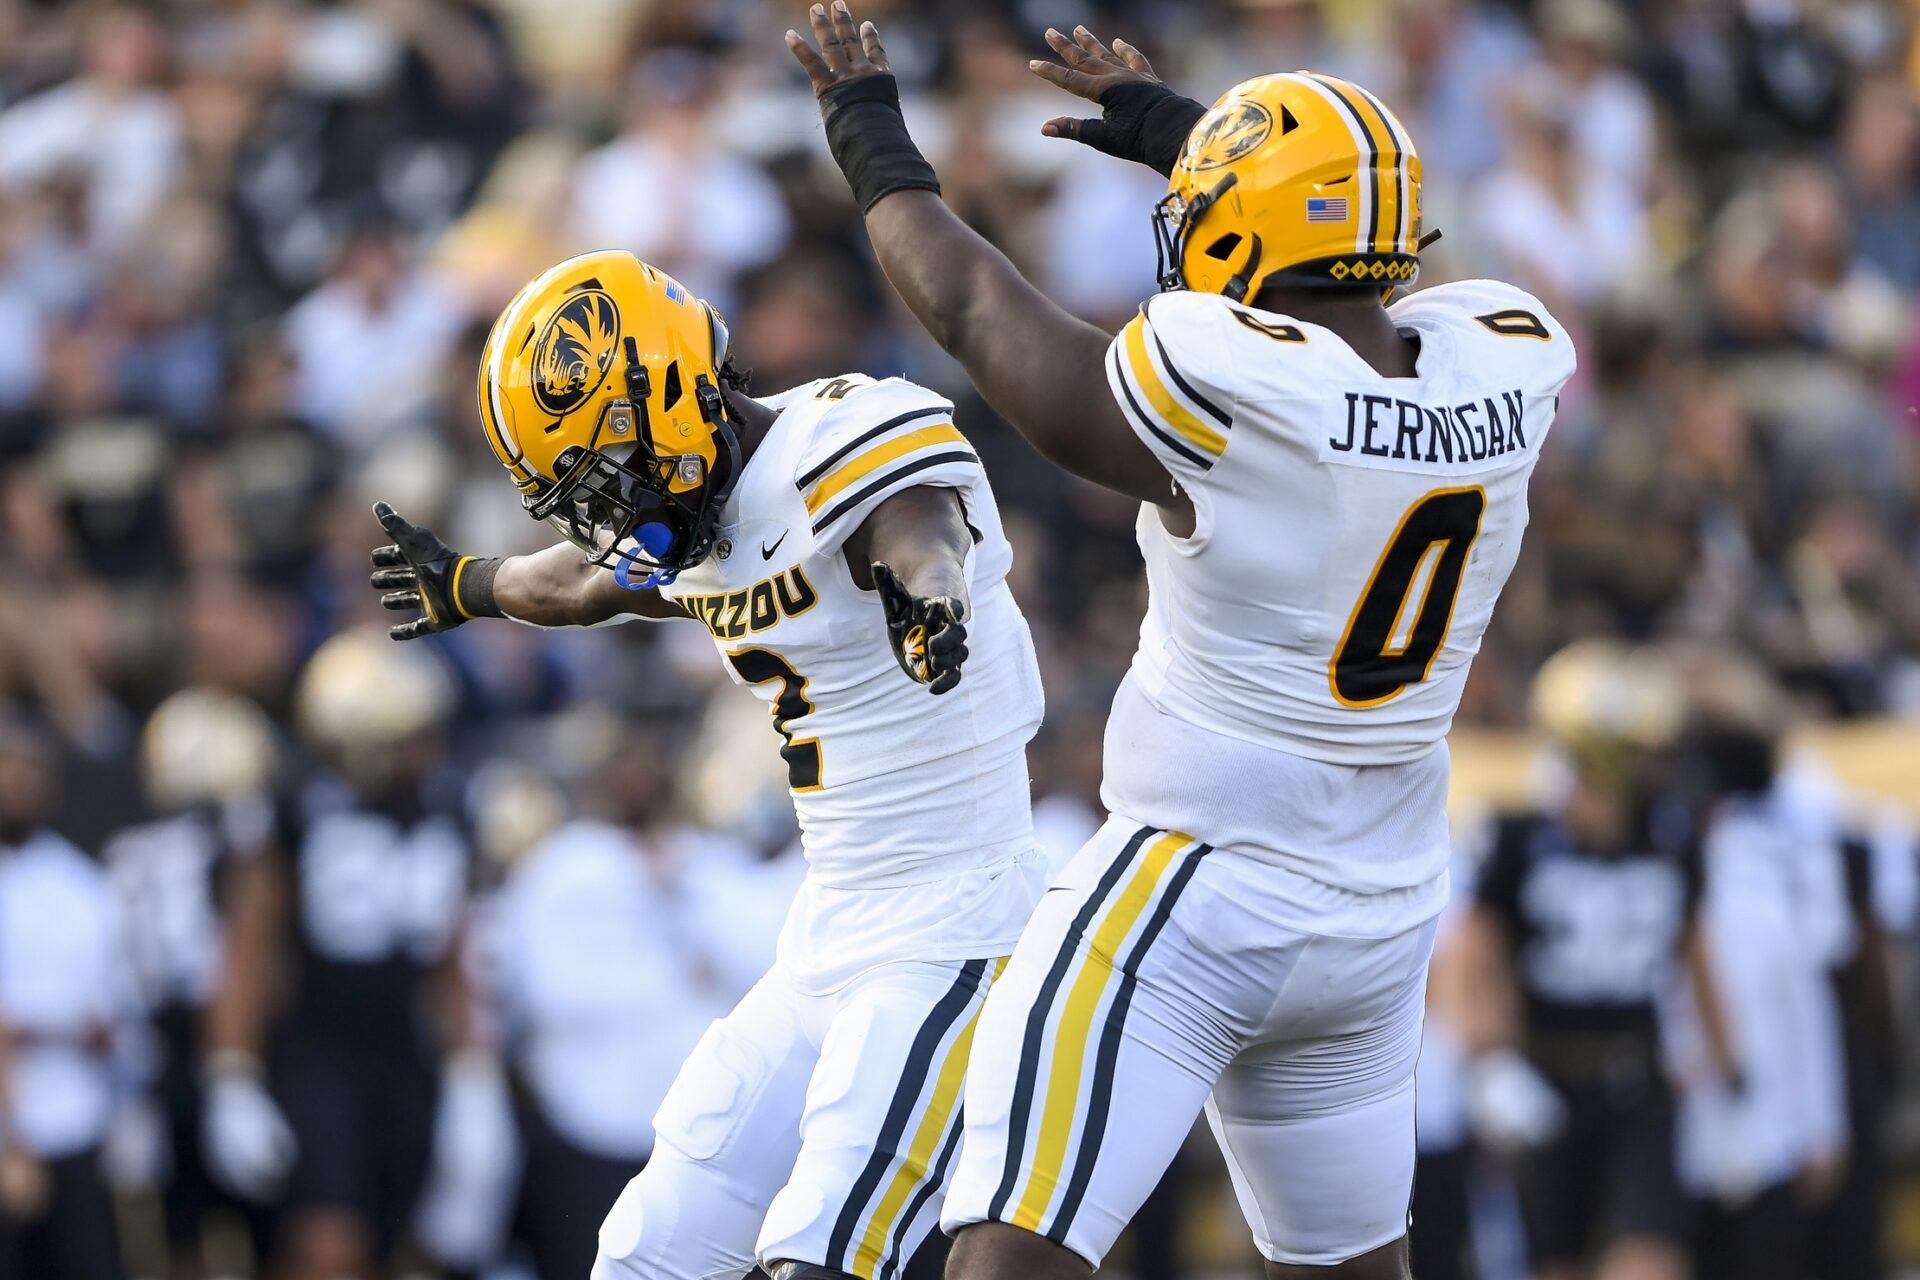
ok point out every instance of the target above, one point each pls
(1174, 221)
(630, 506)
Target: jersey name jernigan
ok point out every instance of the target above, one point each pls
(1389, 427)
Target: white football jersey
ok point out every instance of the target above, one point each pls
(864, 744)
(1354, 531)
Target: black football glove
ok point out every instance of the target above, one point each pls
(421, 574)
(929, 634)
(1141, 119)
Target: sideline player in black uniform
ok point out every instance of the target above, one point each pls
(208, 762)
(1585, 918)
(371, 889)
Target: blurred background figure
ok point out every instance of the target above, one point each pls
(248, 254)
(372, 870)
(208, 767)
(1586, 920)
(613, 948)
(1763, 1129)
(64, 1023)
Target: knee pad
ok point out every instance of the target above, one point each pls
(674, 1223)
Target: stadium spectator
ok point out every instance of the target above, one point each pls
(113, 131)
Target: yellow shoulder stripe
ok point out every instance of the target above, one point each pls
(1170, 411)
(865, 464)
(1074, 1030)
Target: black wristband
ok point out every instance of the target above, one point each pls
(1151, 121)
(472, 588)
(869, 140)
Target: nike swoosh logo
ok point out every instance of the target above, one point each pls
(766, 552)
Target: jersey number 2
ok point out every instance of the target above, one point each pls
(1382, 652)
(757, 666)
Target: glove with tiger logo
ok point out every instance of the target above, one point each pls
(928, 633)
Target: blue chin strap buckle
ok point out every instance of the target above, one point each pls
(652, 538)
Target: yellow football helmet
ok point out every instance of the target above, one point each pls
(1296, 179)
(600, 393)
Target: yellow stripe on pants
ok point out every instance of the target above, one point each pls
(933, 1124)
(1076, 1028)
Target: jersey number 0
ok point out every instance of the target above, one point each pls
(1381, 652)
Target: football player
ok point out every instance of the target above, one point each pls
(1332, 495)
(841, 545)
(341, 991)
(209, 762)
(1587, 915)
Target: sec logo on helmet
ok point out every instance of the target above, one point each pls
(573, 353)
(1228, 133)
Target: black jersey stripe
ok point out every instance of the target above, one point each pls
(1019, 1117)
(1142, 418)
(890, 424)
(1373, 160)
(919, 463)
(1100, 1096)
(1213, 411)
(914, 1075)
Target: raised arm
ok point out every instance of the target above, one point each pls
(417, 573)
(1039, 367)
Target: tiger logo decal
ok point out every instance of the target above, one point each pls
(574, 351)
(1227, 133)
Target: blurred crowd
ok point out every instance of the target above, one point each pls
(315, 951)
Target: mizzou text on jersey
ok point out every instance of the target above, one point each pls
(818, 1121)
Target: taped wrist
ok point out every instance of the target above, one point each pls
(1149, 123)
(472, 588)
(869, 140)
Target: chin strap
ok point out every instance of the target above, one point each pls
(1237, 287)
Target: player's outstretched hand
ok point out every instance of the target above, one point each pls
(1141, 119)
(846, 50)
(1087, 69)
(415, 572)
(929, 633)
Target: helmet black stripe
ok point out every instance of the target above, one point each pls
(1373, 156)
(1405, 178)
